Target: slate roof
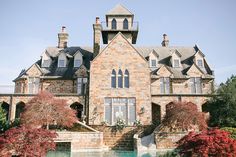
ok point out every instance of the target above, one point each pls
(164, 58)
(68, 72)
(119, 10)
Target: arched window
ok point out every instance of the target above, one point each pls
(125, 24)
(120, 79)
(113, 24)
(113, 79)
(19, 109)
(126, 78)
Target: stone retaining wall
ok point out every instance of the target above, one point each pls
(82, 141)
(168, 140)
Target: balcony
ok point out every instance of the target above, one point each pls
(129, 30)
(132, 26)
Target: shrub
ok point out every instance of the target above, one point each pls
(213, 142)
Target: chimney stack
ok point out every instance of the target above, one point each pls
(62, 38)
(96, 37)
(165, 42)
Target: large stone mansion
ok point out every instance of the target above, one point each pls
(117, 79)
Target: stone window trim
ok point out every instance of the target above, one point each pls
(113, 24)
(33, 85)
(153, 63)
(165, 85)
(120, 81)
(81, 85)
(195, 85)
(128, 102)
(125, 24)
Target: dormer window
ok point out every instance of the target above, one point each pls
(176, 63)
(46, 63)
(46, 60)
(113, 24)
(200, 63)
(61, 63)
(62, 60)
(77, 60)
(153, 59)
(153, 63)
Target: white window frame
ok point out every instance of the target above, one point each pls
(77, 63)
(200, 61)
(164, 84)
(127, 102)
(35, 82)
(46, 63)
(153, 61)
(195, 85)
(81, 85)
(60, 65)
(176, 61)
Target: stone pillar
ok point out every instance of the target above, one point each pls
(163, 111)
(96, 37)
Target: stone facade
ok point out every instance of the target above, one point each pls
(126, 57)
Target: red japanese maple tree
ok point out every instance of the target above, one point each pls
(213, 142)
(183, 116)
(23, 141)
(44, 110)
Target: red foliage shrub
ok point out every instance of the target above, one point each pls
(214, 142)
(45, 110)
(183, 116)
(22, 141)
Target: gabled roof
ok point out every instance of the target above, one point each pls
(177, 53)
(119, 10)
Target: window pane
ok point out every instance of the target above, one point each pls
(77, 63)
(162, 85)
(192, 85)
(108, 114)
(30, 88)
(176, 63)
(115, 113)
(46, 63)
(198, 85)
(113, 79)
(123, 112)
(79, 85)
(113, 24)
(126, 81)
(61, 63)
(125, 24)
(131, 114)
(199, 63)
(36, 85)
(167, 89)
(120, 79)
(153, 63)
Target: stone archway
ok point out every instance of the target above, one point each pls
(6, 107)
(20, 106)
(78, 108)
(156, 114)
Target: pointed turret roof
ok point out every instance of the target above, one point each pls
(119, 10)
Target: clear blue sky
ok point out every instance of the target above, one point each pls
(27, 27)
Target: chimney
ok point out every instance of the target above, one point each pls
(96, 37)
(165, 42)
(62, 38)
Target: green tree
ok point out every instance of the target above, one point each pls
(222, 107)
(3, 119)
